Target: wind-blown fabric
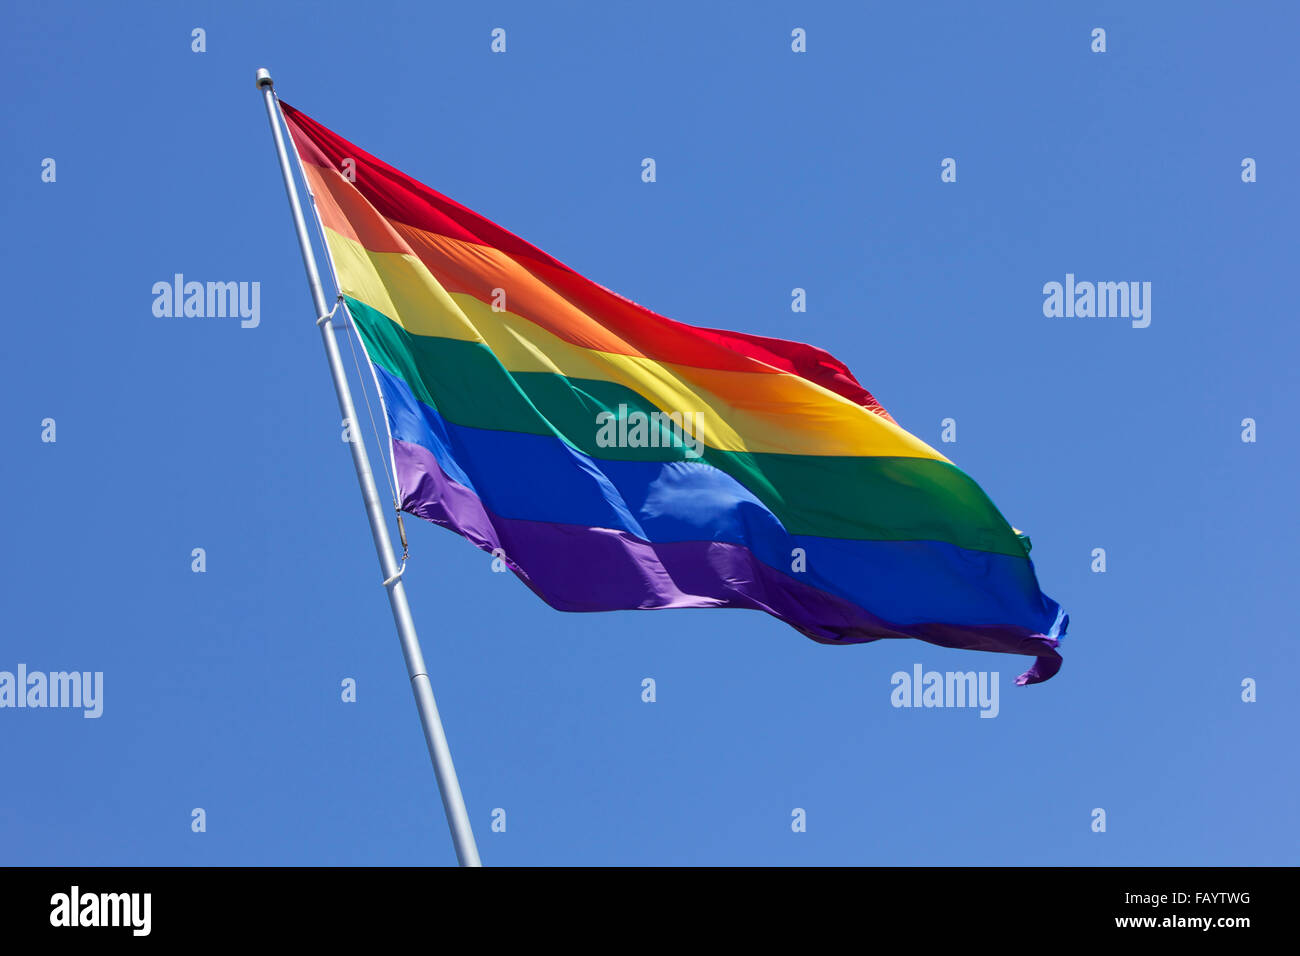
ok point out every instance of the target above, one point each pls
(532, 411)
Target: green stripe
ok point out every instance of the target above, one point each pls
(869, 498)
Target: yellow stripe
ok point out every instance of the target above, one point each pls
(736, 411)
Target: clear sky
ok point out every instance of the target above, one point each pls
(776, 170)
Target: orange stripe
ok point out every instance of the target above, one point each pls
(480, 271)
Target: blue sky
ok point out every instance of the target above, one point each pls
(776, 170)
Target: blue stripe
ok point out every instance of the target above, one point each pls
(541, 478)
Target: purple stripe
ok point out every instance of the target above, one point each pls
(575, 568)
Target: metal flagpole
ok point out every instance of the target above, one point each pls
(452, 800)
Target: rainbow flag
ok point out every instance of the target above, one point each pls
(617, 459)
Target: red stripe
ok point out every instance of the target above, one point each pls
(398, 197)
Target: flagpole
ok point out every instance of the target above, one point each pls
(453, 802)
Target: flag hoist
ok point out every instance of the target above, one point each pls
(453, 801)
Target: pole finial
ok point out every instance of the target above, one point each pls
(264, 79)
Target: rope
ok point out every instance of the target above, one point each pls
(374, 428)
(383, 458)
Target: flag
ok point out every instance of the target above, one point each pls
(613, 458)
